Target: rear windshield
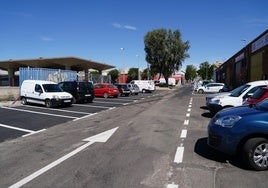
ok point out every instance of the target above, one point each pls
(84, 85)
(52, 88)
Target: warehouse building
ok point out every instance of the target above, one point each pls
(249, 64)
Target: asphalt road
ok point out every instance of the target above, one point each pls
(155, 142)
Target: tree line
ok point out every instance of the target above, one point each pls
(165, 52)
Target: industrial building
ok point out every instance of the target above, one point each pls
(249, 64)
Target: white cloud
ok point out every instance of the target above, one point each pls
(128, 27)
(45, 38)
(257, 21)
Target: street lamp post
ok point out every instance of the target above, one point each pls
(122, 50)
(138, 67)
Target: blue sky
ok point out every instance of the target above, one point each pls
(97, 29)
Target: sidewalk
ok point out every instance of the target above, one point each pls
(10, 103)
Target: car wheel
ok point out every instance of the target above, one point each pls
(105, 95)
(255, 153)
(143, 91)
(200, 91)
(48, 103)
(24, 101)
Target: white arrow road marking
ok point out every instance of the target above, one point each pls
(102, 137)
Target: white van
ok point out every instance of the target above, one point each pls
(171, 81)
(236, 97)
(44, 92)
(144, 85)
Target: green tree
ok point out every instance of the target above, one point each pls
(145, 74)
(133, 74)
(205, 71)
(114, 75)
(165, 51)
(190, 73)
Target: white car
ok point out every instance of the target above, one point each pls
(44, 92)
(236, 96)
(210, 88)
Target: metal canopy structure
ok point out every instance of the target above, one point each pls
(70, 63)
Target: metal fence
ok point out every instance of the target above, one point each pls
(54, 75)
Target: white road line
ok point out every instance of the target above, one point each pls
(190, 106)
(89, 106)
(179, 154)
(84, 117)
(189, 110)
(172, 185)
(183, 133)
(20, 129)
(186, 122)
(188, 115)
(48, 114)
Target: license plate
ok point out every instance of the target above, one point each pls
(88, 95)
(67, 101)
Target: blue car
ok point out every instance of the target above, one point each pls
(242, 131)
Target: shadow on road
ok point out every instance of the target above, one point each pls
(203, 149)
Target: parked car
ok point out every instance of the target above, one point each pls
(210, 88)
(235, 98)
(106, 90)
(144, 85)
(242, 131)
(258, 96)
(201, 83)
(44, 92)
(134, 89)
(81, 90)
(123, 89)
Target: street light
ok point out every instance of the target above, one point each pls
(138, 67)
(122, 49)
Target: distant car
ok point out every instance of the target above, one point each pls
(258, 96)
(123, 89)
(201, 83)
(210, 88)
(106, 90)
(82, 91)
(242, 131)
(134, 89)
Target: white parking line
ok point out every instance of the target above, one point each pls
(89, 106)
(60, 110)
(108, 102)
(34, 112)
(21, 129)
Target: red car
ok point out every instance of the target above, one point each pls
(106, 90)
(259, 95)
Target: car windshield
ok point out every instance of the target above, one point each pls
(238, 91)
(258, 94)
(262, 105)
(52, 88)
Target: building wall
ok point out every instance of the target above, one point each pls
(249, 64)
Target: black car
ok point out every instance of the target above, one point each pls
(82, 91)
(123, 89)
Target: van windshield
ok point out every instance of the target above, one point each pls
(238, 91)
(52, 88)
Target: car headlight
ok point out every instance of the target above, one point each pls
(228, 121)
